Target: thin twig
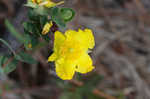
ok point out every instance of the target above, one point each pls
(102, 94)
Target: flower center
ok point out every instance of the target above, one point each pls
(70, 50)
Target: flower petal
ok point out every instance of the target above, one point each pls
(90, 38)
(36, 1)
(65, 69)
(52, 57)
(47, 27)
(50, 4)
(85, 38)
(58, 40)
(84, 64)
(74, 36)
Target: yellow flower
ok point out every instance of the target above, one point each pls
(71, 52)
(47, 3)
(47, 27)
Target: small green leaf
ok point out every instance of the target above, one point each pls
(55, 15)
(31, 5)
(2, 60)
(9, 67)
(32, 29)
(62, 15)
(43, 20)
(67, 14)
(33, 16)
(28, 26)
(24, 57)
(1, 64)
(42, 11)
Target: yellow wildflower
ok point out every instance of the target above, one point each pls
(71, 52)
(47, 3)
(47, 27)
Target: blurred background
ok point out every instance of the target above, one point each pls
(121, 55)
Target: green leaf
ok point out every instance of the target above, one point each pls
(67, 14)
(1, 63)
(33, 16)
(42, 11)
(28, 26)
(62, 15)
(43, 20)
(32, 5)
(14, 32)
(24, 57)
(9, 67)
(32, 29)
(55, 15)
(2, 60)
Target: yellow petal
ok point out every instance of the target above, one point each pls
(84, 64)
(88, 38)
(85, 38)
(65, 69)
(58, 40)
(52, 57)
(37, 1)
(50, 4)
(70, 34)
(47, 28)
